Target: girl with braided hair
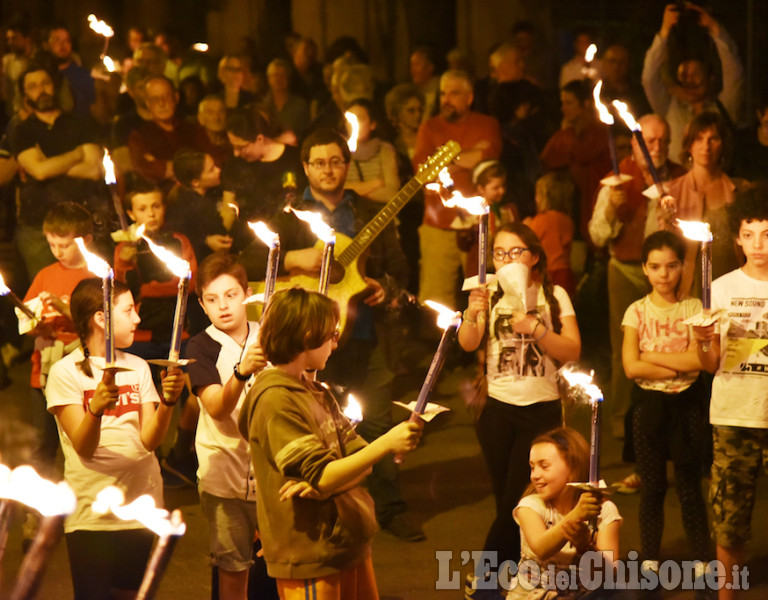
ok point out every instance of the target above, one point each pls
(529, 327)
(109, 425)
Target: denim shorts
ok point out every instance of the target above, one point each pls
(232, 526)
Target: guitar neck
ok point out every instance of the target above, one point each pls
(375, 226)
(444, 155)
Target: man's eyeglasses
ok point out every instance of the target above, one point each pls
(512, 253)
(320, 163)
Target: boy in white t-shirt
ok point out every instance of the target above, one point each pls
(226, 355)
(738, 355)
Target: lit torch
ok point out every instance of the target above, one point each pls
(449, 321)
(354, 132)
(169, 527)
(699, 231)
(54, 502)
(587, 70)
(99, 267)
(15, 300)
(181, 269)
(111, 181)
(444, 185)
(583, 388)
(327, 235)
(634, 126)
(353, 411)
(102, 28)
(607, 118)
(272, 240)
(477, 206)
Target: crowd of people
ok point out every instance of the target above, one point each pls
(584, 240)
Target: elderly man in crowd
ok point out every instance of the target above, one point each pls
(622, 218)
(153, 144)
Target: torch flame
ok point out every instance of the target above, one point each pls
(178, 266)
(444, 181)
(4, 289)
(96, 265)
(100, 26)
(626, 115)
(355, 126)
(445, 316)
(602, 110)
(319, 227)
(476, 205)
(24, 485)
(589, 55)
(200, 47)
(265, 234)
(583, 382)
(109, 64)
(444, 177)
(109, 166)
(697, 231)
(143, 510)
(353, 411)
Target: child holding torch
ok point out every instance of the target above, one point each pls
(528, 325)
(553, 517)
(109, 424)
(668, 412)
(315, 520)
(734, 348)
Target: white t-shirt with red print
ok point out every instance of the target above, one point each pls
(120, 458)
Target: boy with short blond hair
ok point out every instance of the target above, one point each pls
(738, 356)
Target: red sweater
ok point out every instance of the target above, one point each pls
(474, 129)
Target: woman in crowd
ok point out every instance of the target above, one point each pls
(705, 191)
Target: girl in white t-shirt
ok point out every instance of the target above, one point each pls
(554, 517)
(669, 420)
(109, 425)
(528, 330)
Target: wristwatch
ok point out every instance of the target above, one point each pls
(238, 375)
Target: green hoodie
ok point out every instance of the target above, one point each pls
(294, 429)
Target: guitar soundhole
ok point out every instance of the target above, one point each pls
(337, 272)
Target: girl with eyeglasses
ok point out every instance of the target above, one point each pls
(315, 521)
(527, 328)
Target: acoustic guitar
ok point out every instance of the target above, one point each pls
(347, 285)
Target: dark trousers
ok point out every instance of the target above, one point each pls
(505, 433)
(101, 561)
(671, 427)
